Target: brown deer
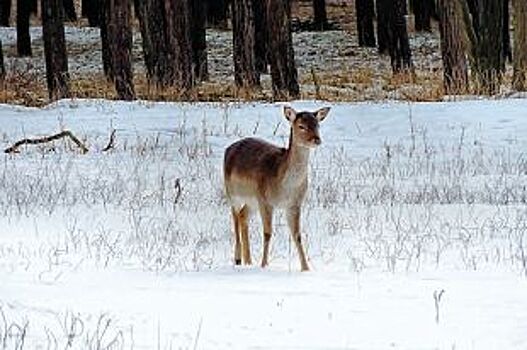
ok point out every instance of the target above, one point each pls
(261, 176)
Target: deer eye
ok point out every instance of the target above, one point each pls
(302, 127)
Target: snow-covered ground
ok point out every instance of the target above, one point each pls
(415, 225)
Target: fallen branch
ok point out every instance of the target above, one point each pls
(111, 142)
(36, 141)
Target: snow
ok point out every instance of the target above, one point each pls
(406, 200)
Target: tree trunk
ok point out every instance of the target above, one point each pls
(199, 39)
(519, 80)
(5, 12)
(382, 9)
(365, 13)
(455, 72)
(119, 39)
(153, 31)
(423, 12)
(284, 74)
(245, 73)
(55, 49)
(2, 66)
(484, 22)
(217, 13)
(320, 18)
(69, 10)
(398, 43)
(23, 41)
(105, 18)
(34, 7)
(261, 36)
(91, 9)
(179, 44)
(507, 50)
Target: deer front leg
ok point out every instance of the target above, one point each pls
(293, 221)
(266, 213)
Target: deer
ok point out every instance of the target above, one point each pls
(260, 176)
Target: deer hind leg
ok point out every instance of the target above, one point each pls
(266, 213)
(293, 221)
(237, 242)
(243, 217)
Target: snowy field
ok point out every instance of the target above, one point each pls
(415, 225)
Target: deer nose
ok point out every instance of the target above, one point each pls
(317, 140)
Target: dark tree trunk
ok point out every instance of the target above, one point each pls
(105, 22)
(2, 66)
(69, 10)
(519, 79)
(261, 36)
(398, 43)
(55, 49)
(217, 12)
(152, 20)
(382, 8)
(199, 39)
(245, 73)
(423, 12)
(119, 39)
(365, 13)
(23, 41)
(484, 22)
(284, 74)
(507, 50)
(34, 7)
(179, 44)
(320, 17)
(91, 9)
(5, 12)
(455, 72)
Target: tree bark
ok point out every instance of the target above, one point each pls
(152, 20)
(119, 41)
(243, 26)
(365, 14)
(2, 66)
(507, 50)
(5, 12)
(55, 49)
(91, 9)
(423, 12)
(23, 41)
(398, 42)
(284, 74)
(455, 71)
(484, 21)
(69, 10)
(382, 9)
(519, 80)
(179, 44)
(217, 13)
(199, 39)
(105, 18)
(261, 36)
(320, 18)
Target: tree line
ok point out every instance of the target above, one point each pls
(474, 35)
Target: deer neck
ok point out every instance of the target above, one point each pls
(297, 158)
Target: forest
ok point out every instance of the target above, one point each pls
(266, 50)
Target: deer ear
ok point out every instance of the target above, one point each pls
(322, 113)
(290, 114)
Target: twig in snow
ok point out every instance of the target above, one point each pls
(111, 142)
(437, 300)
